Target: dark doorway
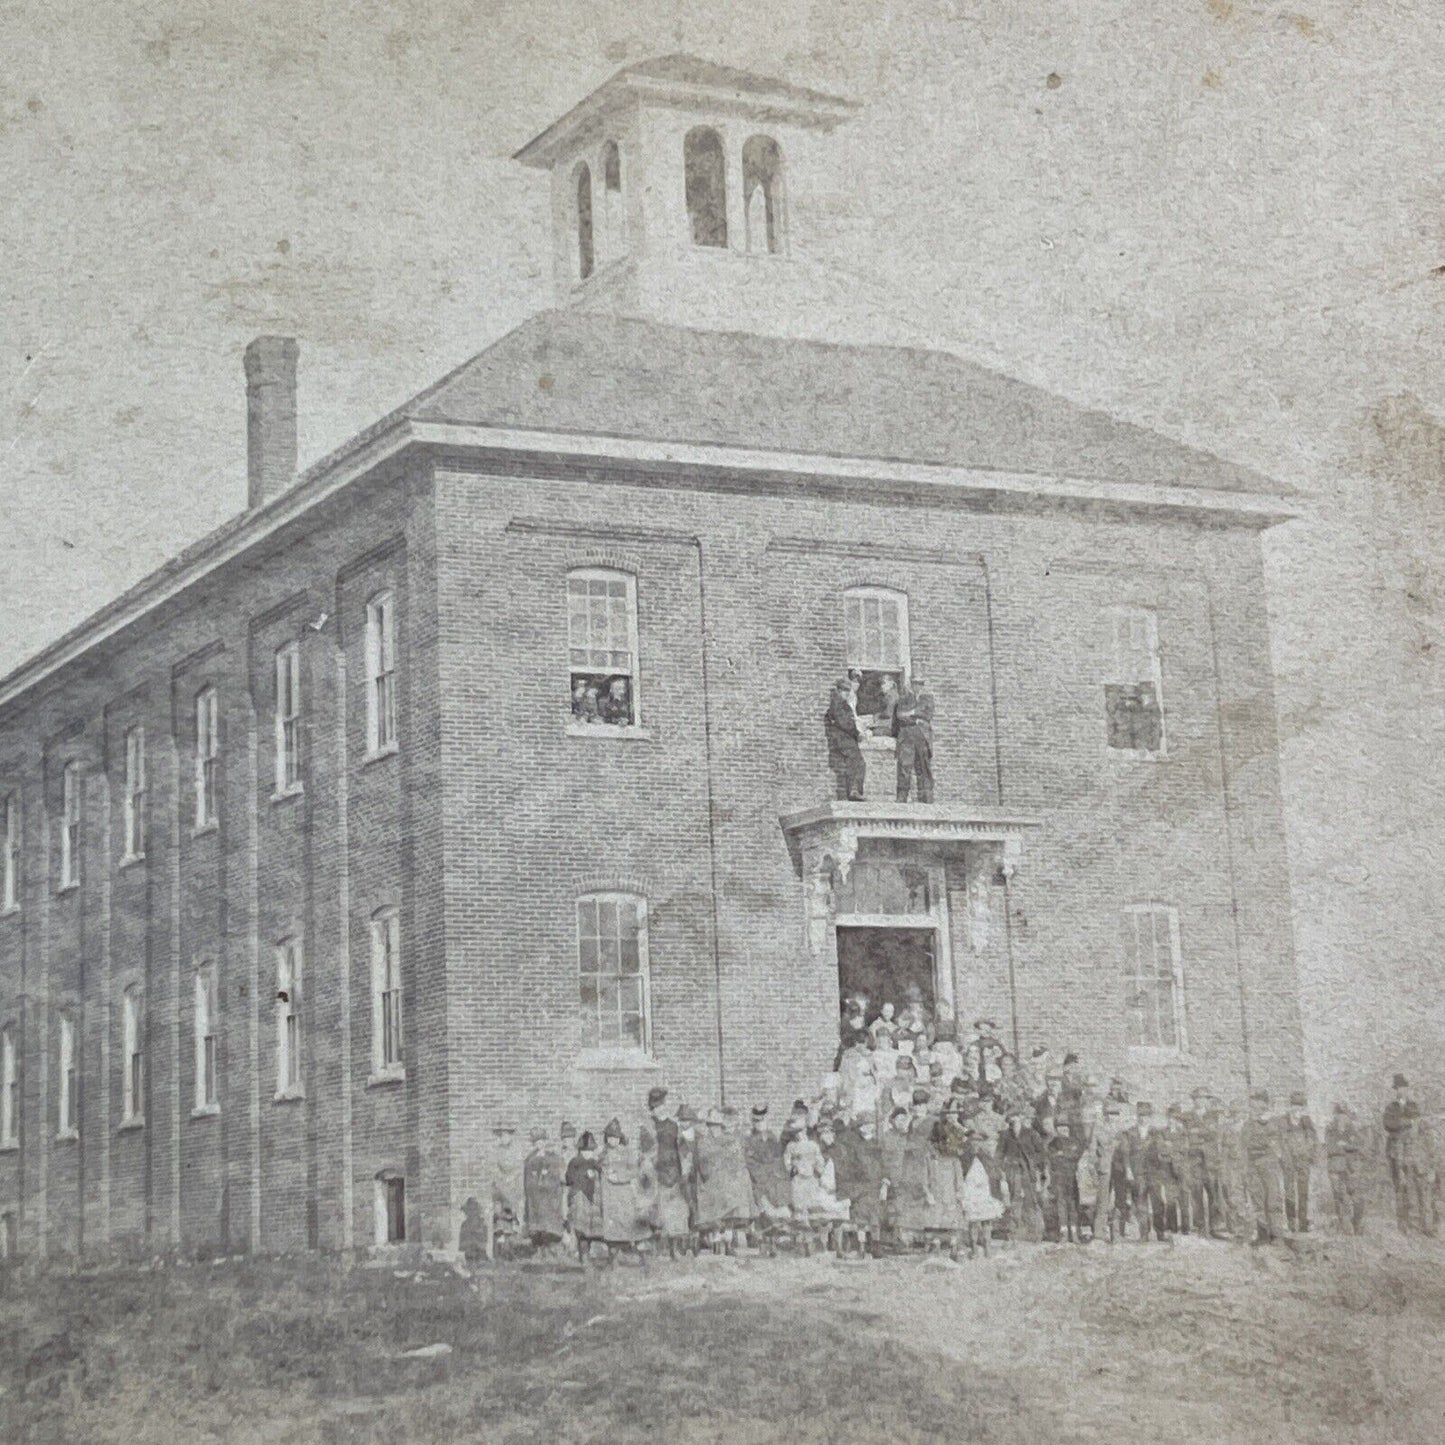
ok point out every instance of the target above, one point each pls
(882, 962)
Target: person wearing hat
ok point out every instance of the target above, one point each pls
(853, 1028)
(584, 1196)
(507, 1175)
(544, 1192)
(724, 1191)
(913, 727)
(883, 1031)
(981, 1197)
(666, 1170)
(1263, 1145)
(905, 1173)
(1404, 1154)
(1111, 1202)
(1300, 1154)
(1196, 1135)
(858, 1179)
(1345, 1146)
(624, 1224)
(763, 1154)
(1071, 1091)
(472, 1234)
(1164, 1164)
(1131, 1161)
(844, 735)
(983, 1055)
(1023, 1158)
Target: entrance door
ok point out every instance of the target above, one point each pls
(883, 962)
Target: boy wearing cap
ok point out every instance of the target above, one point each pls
(544, 1195)
(1129, 1161)
(1402, 1150)
(1301, 1150)
(1263, 1148)
(1345, 1156)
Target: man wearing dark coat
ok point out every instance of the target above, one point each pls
(1022, 1157)
(1301, 1150)
(1130, 1162)
(841, 728)
(913, 727)
(1263, 1144)
(544, 1210)
(1345, 1159)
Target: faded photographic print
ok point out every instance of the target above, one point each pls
(722, 723)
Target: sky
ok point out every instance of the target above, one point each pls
(1221, 218)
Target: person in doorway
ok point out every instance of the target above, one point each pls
(1403, 1152)
(853, 1029)
(841, 728)
(913, 1022)
(544, 1195)
(884, 1029)
(913, 727)
(1301, 1151)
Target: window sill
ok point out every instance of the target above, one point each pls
(65, 888)
(289, 1096)
(392, 1074)
(10, 912)
(607, 730)
(617, 1061)
(130, 860)
(376, 755)
(201, 829)
(129, 1126)
(10, 1146)
(67, 1136)
(285, 795)
(1156, 1054)
(206, 1111)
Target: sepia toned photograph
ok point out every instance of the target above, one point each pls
(722, 724)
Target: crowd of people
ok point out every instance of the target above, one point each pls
(919, 1138)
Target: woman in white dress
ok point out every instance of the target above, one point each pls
(982, 1195)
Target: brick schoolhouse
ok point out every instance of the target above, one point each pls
(475, 778)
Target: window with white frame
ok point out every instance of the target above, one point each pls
(208, 756)
(9, 1089)
(288, 717)
(602, 647)
(612, 968)
(135, 793)
(207, 1021)
(10, 886)
(1153, 977)
(381, 673)
(1134, 697)
(387, 1052)
(68, 1110)
(132, 1052)
(288, 1017)
(70, 782)
(875, 624)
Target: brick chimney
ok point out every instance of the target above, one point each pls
(270, 417)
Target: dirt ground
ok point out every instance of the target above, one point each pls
(1341, 1340)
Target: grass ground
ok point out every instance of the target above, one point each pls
(1199, 1341)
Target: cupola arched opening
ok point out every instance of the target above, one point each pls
(763, 194)
(586, 252)
(705, 183)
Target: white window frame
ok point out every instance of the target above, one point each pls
(207, 1010)
(1167, 916)
(207, 758)
(132, 1054)
(632, 671)
(388, 1007)
(9, 1089)
(67, 1122)
(287, 726)
(381, 731)
(10, 887)
(70, 825)
(1120, 668)
(135, 795)
(855, 639)
(602, 1047)
(289, 1043)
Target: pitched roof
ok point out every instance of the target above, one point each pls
(693, 70)
(599, 374)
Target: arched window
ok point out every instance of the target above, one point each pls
(132, 1045)
(612, 969)
(586, 256)
(602, 647)
(614, 222)
(705, 181)
(763, 194)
